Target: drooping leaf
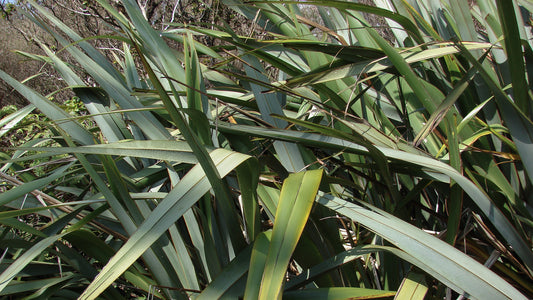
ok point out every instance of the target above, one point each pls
(434, 256)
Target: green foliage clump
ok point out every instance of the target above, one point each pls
(375, 151)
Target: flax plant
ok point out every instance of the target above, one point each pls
(337, 150)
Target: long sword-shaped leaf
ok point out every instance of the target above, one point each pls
(491, 211)
(220, 188)
(341, 70)
(26, 258)
(28, 187)
(518, 122)
(174, 151)
(257, 265)
(227, 278)
(413, 287)
(193, 186)
(153, 44)
(25, 287)
(337, 293)
(443, 108)
(296, 199)
(440, 260)
(39, 247)
(10, 121)
(196, 94)
(152, 260)
(330, 264)
(248, 177)
(269, 104)
(515, 57)
(405, 22)
(92, 98)
(109, 79)
(51, 110)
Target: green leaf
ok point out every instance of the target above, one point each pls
(174, 151)
(329, 264)
(439, 259)
(339, 70)
(36, 184)
(152, 260)
(271, 103)
(248, 177)
(405, 22)
(515, 56)
(413, 286)
(220, 188)
(196, 93)
(228, 277)
(422, 162)
(27, 211)
(106, 75)
(257, 265)
(438, 115)
(296, 199)
(22, 287)
(10, 121)
(189, 189)
(26, 258)
(17, 224)
(50, 109)
(338, 293)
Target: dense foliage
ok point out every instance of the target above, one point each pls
(335, 150)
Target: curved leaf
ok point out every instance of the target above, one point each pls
(188, 190)
(438, 258)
